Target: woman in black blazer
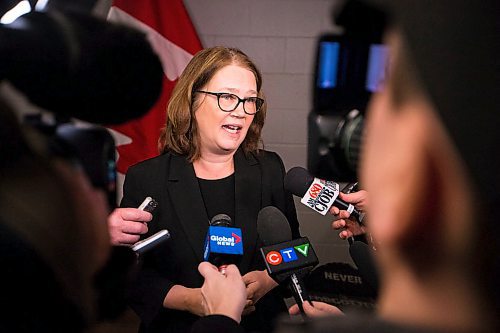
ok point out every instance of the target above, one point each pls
(210, 163)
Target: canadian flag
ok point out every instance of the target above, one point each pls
(172, 35)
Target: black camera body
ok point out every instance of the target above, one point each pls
(90, 147)
(348, 69)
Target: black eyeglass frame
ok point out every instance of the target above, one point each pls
(240, 100)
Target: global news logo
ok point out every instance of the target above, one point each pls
(226, 241)
(287, 255)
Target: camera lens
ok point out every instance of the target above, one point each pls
(350, 139)
(334, 144)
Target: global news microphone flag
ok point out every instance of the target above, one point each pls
(174, 38)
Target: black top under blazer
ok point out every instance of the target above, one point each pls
(170, 179)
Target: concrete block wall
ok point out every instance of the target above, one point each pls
(280, 36)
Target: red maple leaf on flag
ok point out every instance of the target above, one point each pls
(173, 37)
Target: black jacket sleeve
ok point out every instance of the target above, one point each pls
(149, 288)
(216, 324)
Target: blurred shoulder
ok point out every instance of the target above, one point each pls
(352, 323)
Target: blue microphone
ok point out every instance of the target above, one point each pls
(224, 243)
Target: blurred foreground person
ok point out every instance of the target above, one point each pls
(430, 168)
(53, 237)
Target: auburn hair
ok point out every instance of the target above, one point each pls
(180, 134)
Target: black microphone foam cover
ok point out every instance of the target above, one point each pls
(83, 67)
(272, 226)
(221, 220)
(297, 180)
(363, 258)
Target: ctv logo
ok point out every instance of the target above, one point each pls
(226, 241)
(287, 255)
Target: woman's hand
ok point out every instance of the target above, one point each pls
(126, 225)
(350, 227)
(222, 294)
(195, 302)
(258, 283)
(318, 309)
(186, 299)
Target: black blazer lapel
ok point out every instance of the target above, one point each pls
(188, 203)
(248, 189)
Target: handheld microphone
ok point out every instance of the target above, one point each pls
(318, 194)
(223, 245)
(287, 260)
(363, 258)
(149, 205)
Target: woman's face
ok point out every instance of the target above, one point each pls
(223, 132)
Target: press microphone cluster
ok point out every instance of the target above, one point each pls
(224, 244)
(287, 261)
(318, 194)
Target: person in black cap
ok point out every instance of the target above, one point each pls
(431, 169)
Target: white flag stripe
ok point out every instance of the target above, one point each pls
(173, 58)
(120, 138)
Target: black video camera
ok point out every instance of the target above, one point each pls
(90, 147)
(348, 69)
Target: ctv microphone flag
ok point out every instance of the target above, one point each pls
(174, 38)
(286, 258)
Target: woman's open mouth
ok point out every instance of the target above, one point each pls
(233, 129)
